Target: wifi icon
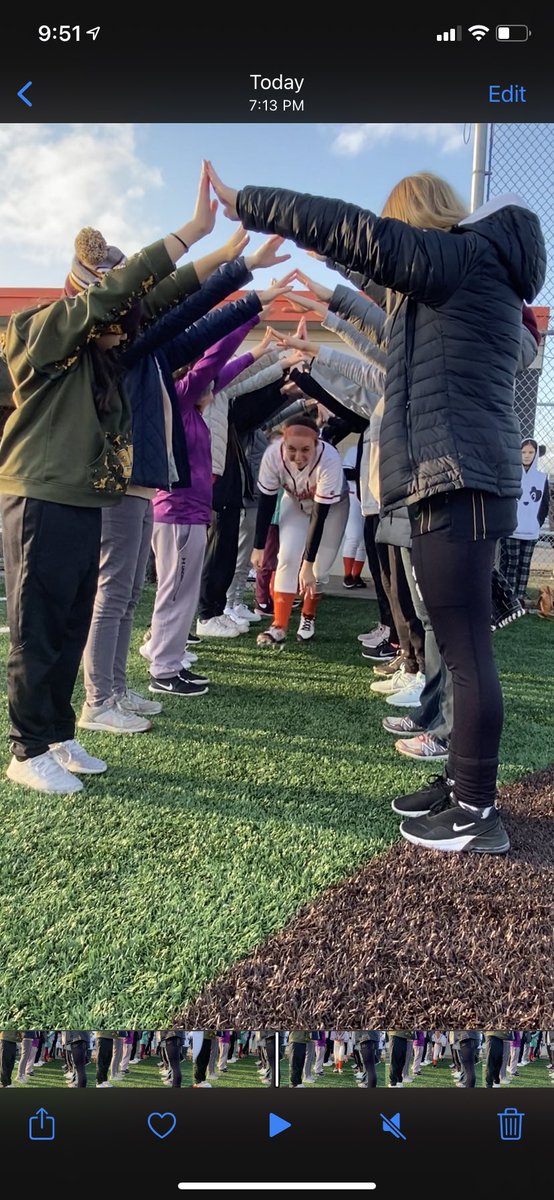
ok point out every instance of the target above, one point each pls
(478, 31)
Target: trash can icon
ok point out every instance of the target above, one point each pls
(511, 1122)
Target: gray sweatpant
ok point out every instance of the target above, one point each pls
(247, 530)
(26, 1062)
(179, 552)
(309, 1060)
(117, 1054)
(126, 535)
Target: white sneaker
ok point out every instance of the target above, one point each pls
(133, 1062)
(230, 615)
(104, 1085)
(231, 1060)
(306, 629)
(44, 774)
(217, 627)
(381, 633)
(244, 613)
(21, 1079)
(189, 659)
(145, 651)
(410, 694)
(309, 1079)
(391, 683)
(133, 702)
(112, 718)
(74, 757)
(204, 1084)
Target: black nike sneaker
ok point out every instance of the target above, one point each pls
(430, 799)
(178, 685)
(383, 652)
(457, 829)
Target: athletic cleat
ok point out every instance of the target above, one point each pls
(274, 637)
(306, 629)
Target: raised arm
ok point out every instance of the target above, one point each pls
(426, 264)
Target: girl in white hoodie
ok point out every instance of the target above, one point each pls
(532, 511)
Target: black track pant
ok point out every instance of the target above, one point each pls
(385, 615)
(368, 1052)
(173, 1052)
(51, 557)
(399, 1050)
(495, 1051)
(467, 1058)
(219, 563)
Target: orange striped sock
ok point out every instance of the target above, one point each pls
(358, 567)
(282, 607)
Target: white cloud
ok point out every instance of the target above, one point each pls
(55, 179)
(352, 140)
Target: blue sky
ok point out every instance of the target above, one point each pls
(137, 182)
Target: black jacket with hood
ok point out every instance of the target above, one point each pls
(449, 419)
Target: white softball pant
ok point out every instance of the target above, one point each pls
(354, 545)
(293, 531)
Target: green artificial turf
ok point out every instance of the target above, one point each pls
(207, 834)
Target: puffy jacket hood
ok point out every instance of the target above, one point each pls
(509, 224)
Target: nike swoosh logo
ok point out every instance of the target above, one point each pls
(458, 828)
(168, 688)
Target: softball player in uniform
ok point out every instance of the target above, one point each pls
(314, 512)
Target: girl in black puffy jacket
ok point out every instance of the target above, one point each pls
(450, 439)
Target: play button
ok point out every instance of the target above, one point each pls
(277, 1125)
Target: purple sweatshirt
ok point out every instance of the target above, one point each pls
(193, 505)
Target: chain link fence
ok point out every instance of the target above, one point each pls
(521, 160)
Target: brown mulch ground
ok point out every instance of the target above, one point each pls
(416, 937)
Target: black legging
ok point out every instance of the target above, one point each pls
(79, 1056)
(297, 1060)
(454, 578)
(103, 1059)
(495, 1054)
(409, 630)
(368, 1054)
(173, 1054)
(385, 615)
(399, 1050)
(202, 1060)
(466, 1054)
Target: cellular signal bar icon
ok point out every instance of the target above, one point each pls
(451, 35)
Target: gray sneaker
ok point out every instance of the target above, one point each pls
(112, 718)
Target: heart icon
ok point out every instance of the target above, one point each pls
(162, 1124)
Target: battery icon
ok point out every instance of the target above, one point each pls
(512, 33)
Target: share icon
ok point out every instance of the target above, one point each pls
(392, 1125)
